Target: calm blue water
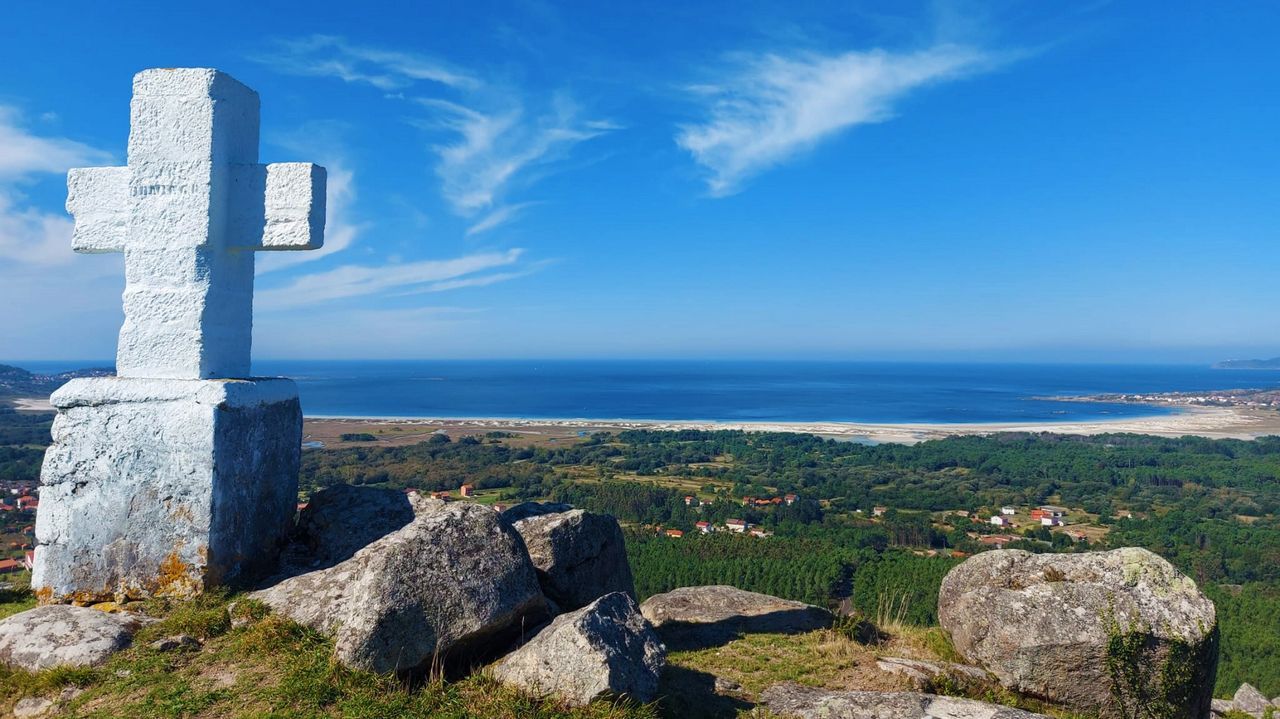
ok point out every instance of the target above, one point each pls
(731, 391)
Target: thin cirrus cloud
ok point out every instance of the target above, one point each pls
(492, 150)
(29, 235)
(773, 108)
(351, 281)
(333, 56)
(496, 135)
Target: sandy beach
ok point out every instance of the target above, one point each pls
(1212, 422)
(32, 404)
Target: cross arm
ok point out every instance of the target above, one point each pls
(98, 199)
(289, 206)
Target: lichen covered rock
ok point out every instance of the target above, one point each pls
(452, 585)
(1103, 632)
(802, 702)
(61, 635)
(580, 556)
(340, 520)
(605, 649)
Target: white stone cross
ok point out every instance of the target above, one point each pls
(188, 212)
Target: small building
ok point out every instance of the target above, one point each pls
(790, 499)
(26, 502)
(999, 521)
(302, 506)
(878, 511)
(759, 533)
(736, 525)
(676, 533)
(1008, 511)
(6, 507)
(467, 490)
(748, 501)
(1076, 535)
(688, 500)
(10, 565)
(996, 540)
(704, 527)
(1047, 521)
(441, 495)
(1054, 510)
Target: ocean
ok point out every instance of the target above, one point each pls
(732, 391)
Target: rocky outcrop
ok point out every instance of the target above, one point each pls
(605, 649)
(525, 510)
(1103, 632)
(801, 702)
(923, 674)
(580, 556)
(340, 520)
(1247, 700)
(706, 616)
(61, 635)
(450, 587)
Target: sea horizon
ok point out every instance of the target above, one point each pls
(733, 391)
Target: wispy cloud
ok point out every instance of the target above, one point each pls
(29, 235)
(774, 107)
(488, 137)
(497, 218)
(493, 147)
(409, 278)
(331, 56)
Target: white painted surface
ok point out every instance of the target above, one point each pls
(188, 212)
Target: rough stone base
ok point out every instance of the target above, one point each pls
(164, 487)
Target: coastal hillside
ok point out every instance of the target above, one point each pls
(16, 382)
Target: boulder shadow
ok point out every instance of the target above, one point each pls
(691, 694)
(692, 636)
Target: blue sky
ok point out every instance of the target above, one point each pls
(864, 180)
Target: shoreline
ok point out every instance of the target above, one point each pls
(1211, 422)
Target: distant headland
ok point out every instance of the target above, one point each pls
(1273, 363)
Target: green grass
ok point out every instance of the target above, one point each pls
(268, 667)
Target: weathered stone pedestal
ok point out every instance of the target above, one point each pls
(163, 487)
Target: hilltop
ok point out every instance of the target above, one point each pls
(18, 382)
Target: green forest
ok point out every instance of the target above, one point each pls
(1209, 506)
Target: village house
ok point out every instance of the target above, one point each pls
(10, 565)
(736, 525)
(704, 527)
(1008, 511)
(878, 511)
(1050, 521)
(27, 502)
(676, 533)
(1000, 521)
(760, 533)
(467, 490)
(1054, 510)
(996, 540)
(790, 499)
(688, 500)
